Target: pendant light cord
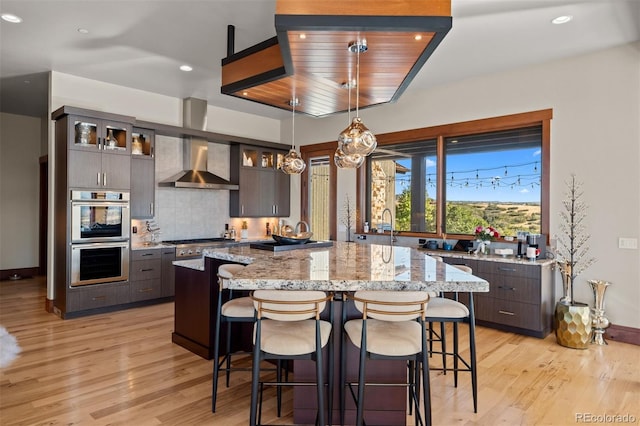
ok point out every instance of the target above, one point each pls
(358, 79)
(293, 122)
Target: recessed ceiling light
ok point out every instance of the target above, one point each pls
(11, 18)
(562, 19)
(185, 68)
(302, 36)
(417, 37)
(245, 93)
(83, 30)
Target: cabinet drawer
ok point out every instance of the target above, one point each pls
(515, 314)
(97, 296)
(145, 254)
(526, 291)
(146, 269)
(144, 290)
(505, 269)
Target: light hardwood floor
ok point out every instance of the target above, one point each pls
(121, 368)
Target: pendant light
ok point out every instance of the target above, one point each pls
(341, 159)
(357, 139)
(292, 164)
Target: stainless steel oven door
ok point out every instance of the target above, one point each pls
(96, 263)
(99, 216)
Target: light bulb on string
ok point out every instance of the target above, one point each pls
(292, 164)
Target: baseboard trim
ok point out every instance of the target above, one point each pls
(18, 273)
(620, 333)
(48, 305)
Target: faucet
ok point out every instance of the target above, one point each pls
(297, 228)
(393, 238)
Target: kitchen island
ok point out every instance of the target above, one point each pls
(343, 267)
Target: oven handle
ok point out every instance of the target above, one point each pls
(124, 244)
(123, 204)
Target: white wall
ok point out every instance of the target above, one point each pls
(595, 134)
(20, 144)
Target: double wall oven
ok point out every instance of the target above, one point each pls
(99, 237)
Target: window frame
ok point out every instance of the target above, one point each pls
(506, 122)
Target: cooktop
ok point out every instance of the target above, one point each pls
(197, 241)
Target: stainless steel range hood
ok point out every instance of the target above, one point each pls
(194, 153)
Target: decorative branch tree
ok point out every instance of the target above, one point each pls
(572, 245)
(347, 216)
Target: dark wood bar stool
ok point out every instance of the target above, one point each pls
(288, 327)
(392, 327)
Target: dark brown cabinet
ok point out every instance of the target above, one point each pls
(92, 152)
(520, 298)
(143, 174)
(264, 189)
(97, 296)
(145, 274)
(98, 154)
(95, 170)
(168, 272)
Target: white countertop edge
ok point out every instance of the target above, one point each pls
(197, 264)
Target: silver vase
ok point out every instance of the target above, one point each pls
(599, 322)
(565, 273)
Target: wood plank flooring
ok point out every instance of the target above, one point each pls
(121, 368)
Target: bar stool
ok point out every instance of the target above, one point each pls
(392, 327)
(239, 309)
(288, 326)
(444, 310)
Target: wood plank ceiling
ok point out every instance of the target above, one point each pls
(310, 58)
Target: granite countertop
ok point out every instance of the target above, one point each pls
(343, 267)
(142, 246)
(487, 257)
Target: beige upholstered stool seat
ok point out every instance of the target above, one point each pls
(238, 310)
(442, 307)
(392, 326)
(228, 270)
(387, 338)
(445, 310)
(286, 338)
(288, 326)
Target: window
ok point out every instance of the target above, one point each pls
(449, 179)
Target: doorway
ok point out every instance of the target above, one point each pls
(318, 186)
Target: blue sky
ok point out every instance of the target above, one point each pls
(506, 176)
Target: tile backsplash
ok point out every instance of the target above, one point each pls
(189, 213)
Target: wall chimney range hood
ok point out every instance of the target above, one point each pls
(194, 153)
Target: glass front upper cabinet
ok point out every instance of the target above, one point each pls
(99, 134)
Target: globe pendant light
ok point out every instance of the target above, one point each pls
(345, 161)
(357, 139)
(292, 164)
(341, 159)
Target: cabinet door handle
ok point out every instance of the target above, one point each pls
(147, 254)
(507, 269)
(99, 143)
(104, 179)
(98, 179)
(506, 313)
(151, 209)
(99, 298)
(507, 288)
(146, 270)
(145, 290)
(242, 210)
